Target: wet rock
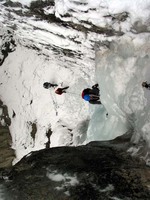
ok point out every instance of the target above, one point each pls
(119, 17)
(99, 170)
(8, 46)
(12, 4)
(6, 153)
(139, 27)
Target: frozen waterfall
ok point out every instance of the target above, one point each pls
(120, 71)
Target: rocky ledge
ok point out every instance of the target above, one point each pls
(99, 170)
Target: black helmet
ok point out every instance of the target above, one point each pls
(46, 85)
(144, 84)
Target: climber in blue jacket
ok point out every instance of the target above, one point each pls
(91, 95)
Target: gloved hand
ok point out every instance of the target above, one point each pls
(95, 86)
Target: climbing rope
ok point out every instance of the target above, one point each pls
(54, 103)
(73, 93)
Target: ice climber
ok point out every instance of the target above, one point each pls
(61, 90)
(58, 91)
(146, 85)
(48, 85)
(91, 95)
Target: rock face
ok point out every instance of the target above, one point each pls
(8, 45)
(6, 153)
(99, 170)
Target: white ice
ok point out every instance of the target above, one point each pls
(120, 72)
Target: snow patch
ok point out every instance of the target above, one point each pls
(65, 179)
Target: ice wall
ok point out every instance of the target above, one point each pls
(120, 70)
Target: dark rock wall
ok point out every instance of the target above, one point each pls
(6, 153)
(8, 45)
(102, 170)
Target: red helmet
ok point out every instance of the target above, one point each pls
(59, 91)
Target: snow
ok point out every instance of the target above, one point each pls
(66, 180)
(138, 10)
(26, 85)
(57, 177)
(108, 188)
(115, 198)
(119, 72)
(103, 8)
